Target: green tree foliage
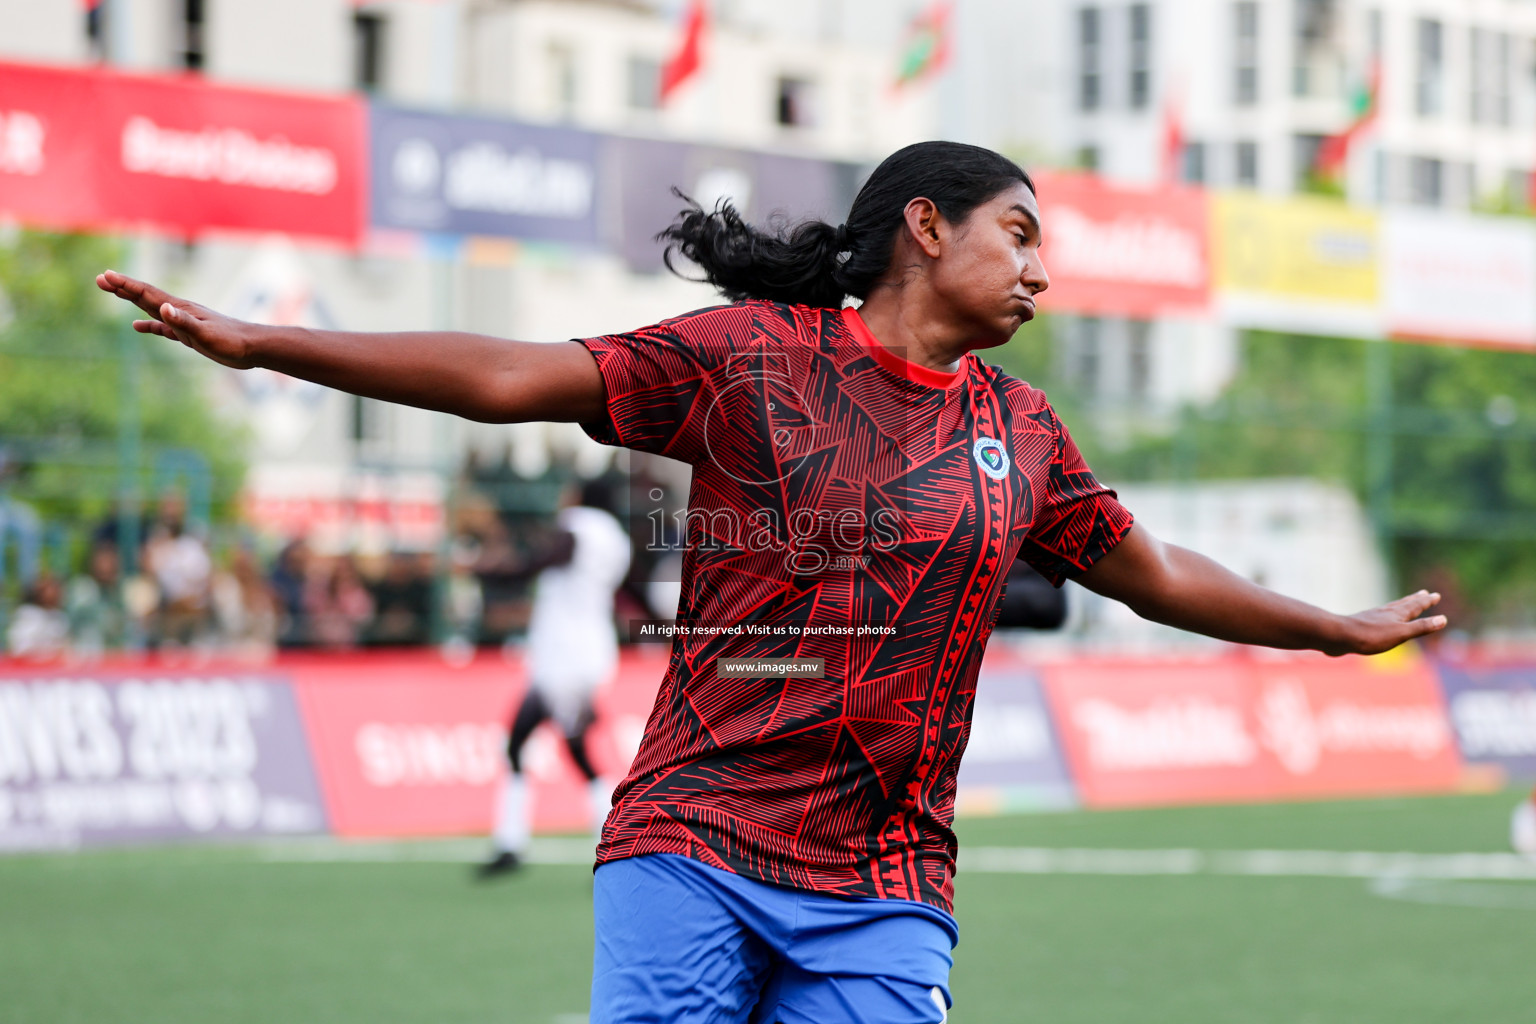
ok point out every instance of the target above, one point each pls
(1453, 491)
(62, 351)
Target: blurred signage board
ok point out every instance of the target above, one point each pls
(1117, 251)
(347, 510)
(642, 174)
(49, 147)
(1494, 712)
(96, 149)
(99, 757)
(1457, 278)
(483, 176)
(407, 745)
(1013, 759)
(1237, 730)
(1300, 264)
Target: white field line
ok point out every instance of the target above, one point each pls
(1253, 863)
(1484, 895)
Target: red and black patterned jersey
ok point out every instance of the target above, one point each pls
(847, 506)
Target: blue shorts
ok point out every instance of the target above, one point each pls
(684, 943)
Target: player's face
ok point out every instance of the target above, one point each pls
(990, 271)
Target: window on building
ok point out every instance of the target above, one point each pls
(562, 78)
(1192, 163)
(1429, 67)
(1086, 355)
(1479, 101)
(1315, 72)
(96, 32)
(1517, 186)
(1140, 84)
(1089, 48)
(1374, 34)
(1305, 149)
(1245, 82)
(1426, 181)
(794, 106)
(368, 31)
(1245, 165)
(1138, 360)
(367, 420)
(192, 25)
(1503, 62)
(643, 76)
(1488, 76)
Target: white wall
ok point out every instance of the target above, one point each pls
(295, 44)
(1303, 538)
(42, 30)
(507, 67)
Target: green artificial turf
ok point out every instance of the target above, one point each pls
(193, 935)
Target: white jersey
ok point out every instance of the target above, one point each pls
(572, 646)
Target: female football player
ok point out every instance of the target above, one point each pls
(781, 850)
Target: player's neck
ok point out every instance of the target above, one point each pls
(906, 324)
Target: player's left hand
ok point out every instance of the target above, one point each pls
(1384, 628)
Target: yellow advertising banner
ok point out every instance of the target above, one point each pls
(1305, 248)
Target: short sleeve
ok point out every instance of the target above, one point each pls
(659, 380)
(1079, 522)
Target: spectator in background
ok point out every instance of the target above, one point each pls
(181, 568)
(340, 607)
(246, 608)
(465, 604)
(288, 580)
(93, 604)
(39, 630)
(402, 602)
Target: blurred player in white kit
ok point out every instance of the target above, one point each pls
(1522, 826)
(572, 650)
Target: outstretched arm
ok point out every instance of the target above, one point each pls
(470, 375)
(1177, 587)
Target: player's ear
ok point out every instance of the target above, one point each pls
(922, 218)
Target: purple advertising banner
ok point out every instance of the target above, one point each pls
(1013, 761)
(1493, 710)
(760, 185)
(483, 176)
(109, 757)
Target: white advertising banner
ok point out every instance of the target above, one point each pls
(1451, 277)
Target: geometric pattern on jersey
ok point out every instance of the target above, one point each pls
(835, 486)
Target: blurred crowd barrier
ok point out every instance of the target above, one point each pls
(405, 743)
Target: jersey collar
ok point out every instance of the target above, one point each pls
(895, 363)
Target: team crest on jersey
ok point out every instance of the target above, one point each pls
(991, 456)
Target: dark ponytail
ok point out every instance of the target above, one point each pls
(815, 264)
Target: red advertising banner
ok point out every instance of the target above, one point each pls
(407, 745)
(98, 149)
(1238, 730)
(1118, 251)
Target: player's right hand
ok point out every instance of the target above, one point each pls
(221, 338)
